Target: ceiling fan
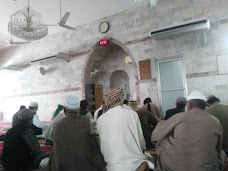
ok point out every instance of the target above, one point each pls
(63, 20)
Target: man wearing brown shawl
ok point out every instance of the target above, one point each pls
(190, 141)
(75, 145)
(122, 141)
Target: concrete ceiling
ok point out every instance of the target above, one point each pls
(82, 12)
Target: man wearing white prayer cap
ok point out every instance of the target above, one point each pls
(71, 103)
(190, 140)
(37, 126)
(75, 145)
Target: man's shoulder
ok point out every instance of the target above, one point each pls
(129, 112)
(59, 122)
(116, 112)
(170, 111)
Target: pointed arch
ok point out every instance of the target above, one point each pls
(124, 47)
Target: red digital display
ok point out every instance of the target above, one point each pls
(103, 42)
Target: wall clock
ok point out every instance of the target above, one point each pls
(104, 27)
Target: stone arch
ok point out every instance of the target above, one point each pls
(124, 47)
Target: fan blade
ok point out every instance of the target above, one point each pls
(67, 27)
(63, 56)
(64, 19)
(52, 24)
(17, 43)
(13, 67)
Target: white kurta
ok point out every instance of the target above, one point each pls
(127, 107)
(37, 123)
(48, 133)
(122, 141)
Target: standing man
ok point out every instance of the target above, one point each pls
(37, 126)
(75, 141)
(180, 107)
(148, 123)
(220, 111)
(151, 107)
(122, 141)
(191, 140)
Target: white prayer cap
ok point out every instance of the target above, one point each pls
(196, 95)
(72, 102)
(33, 104)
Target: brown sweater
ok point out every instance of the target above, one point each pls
(74, 146)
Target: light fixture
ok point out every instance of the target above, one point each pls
(43, 71)
(127, 60)
(27, 24)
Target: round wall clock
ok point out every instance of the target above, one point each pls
(104, 27)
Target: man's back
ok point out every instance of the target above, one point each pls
(74, 148)
(220, 111)
(171, 112)
(193, 144)
(16, 154)
(122, 139)
(148, 123)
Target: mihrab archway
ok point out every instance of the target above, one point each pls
(107, 60)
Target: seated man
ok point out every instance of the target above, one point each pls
(37, 126)
(48, 134)
(21, 150)
(180, 107)
(14, 120)
(122, 141)
(190, 140)
(75, 141)
(84, 109)
(57, 111)
(126, 106)
(220, 111)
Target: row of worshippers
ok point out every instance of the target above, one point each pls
(191, 139)
(77, 145)
(22, 139)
